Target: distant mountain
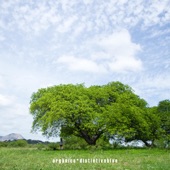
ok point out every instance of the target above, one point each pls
(11, 137)
(15, 136)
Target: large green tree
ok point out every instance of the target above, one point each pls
(90, 113)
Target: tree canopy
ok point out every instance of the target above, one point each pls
(93, 112)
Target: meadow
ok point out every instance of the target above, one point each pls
(127, 159)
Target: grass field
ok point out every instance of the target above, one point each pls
(128, 159)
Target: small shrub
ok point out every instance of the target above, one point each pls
(41, 146)
(73, 142)
(53, 146)
(162, 143)
(3, 144)
(115, 145)
(18, 143)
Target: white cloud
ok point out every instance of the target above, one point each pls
(67, 24)
(87, 2)
(1, 81)
(156, 81)
(156, 33)
(6, 100)
(157, 85)
(122, 51)
(2, 38)
(39, 16)
(80, 64)
(115, 53)
(125, 64)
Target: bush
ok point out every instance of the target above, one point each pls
(73, 142)
(41, 146)
(163, 143)
(18, 143)
(3, 144)
(53, 146)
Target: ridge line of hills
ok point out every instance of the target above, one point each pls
(16, 136)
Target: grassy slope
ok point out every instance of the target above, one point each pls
(134, 159)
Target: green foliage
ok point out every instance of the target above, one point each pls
(3, 144)
(162, 143)
(74, 142)
(53, 146)
(164, 114)
(41, 146)
(18, 143)
(91, 113)
(103, 143)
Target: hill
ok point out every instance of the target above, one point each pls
(11, 137)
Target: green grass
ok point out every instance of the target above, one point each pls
(128, 159)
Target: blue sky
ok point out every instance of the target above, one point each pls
(51, 42)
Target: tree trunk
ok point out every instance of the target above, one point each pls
(91, 140)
